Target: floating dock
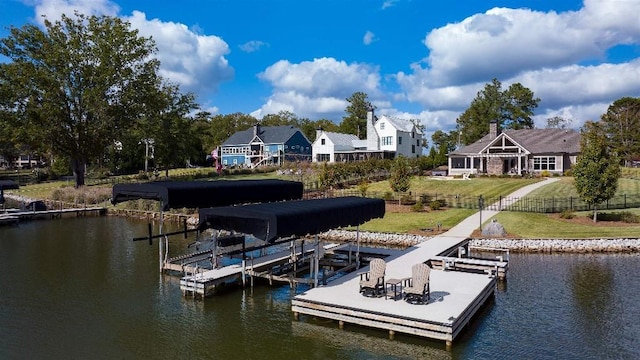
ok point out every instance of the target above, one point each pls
(204, 284)
(456, 294)
(14, 216)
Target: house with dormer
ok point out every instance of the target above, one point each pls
(517, 152)
(265, 145)
(387, 137)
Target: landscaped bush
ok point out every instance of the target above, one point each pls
(388, 196)
(567, 214)
(363, 186)
(545, 173)
(418, 206)
(437, 204)
(407, 199)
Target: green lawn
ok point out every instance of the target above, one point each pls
(405, 222)
(485, 186)
(543, 226)
(565, 188)
(525, 225)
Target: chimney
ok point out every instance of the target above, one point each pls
(493, 129)
(256, 129)
(319, 132)
(372, 136)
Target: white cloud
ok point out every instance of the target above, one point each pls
(301, 105)
(252, 46)
(317, 88)
(53, 9)
(547, 52)
(322, 77)
(368, 38)
(389, 3)
(195, 62)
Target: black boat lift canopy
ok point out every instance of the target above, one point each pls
(271, 221)
(201, 194)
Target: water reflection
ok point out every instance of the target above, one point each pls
(80, 288)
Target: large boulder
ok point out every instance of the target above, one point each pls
(494, 229)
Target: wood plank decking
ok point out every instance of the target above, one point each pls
(455, 297)
(204, 284)
(52, 213)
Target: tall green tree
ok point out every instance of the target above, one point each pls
(512, 108)
(355, 121)
(597, 168)
(78, 84)
(621, 123)
(400, 179)
(171, 129)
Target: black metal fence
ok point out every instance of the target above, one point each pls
(506, 203)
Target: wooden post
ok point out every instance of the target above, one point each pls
(160, 252)
(391, 334)
(341, 324)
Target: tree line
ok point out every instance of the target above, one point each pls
(86, 90)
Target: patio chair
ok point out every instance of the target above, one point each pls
(417, 289)
(372, 282)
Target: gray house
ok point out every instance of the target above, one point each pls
(517, 152)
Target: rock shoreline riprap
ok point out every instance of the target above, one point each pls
(514, 245)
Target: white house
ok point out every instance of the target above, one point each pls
(387, 137)
(328, 143)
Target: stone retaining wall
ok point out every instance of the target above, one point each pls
(514, 245)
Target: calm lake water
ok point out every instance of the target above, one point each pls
(79, 288)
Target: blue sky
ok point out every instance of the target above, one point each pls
(414, 58)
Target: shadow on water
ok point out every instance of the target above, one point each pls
(80, 288)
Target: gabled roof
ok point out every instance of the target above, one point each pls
(400, 124)
(339, 139)
(536, 141)
(268, 134)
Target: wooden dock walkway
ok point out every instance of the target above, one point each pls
(455, 297)
(12, 216)
(204, 284)
(458, 290)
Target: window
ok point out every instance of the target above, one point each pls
(413, 149)
(399, 140)
(322, 141)
(387, 140)
(544, 163)
(382, 126)
(323, 157)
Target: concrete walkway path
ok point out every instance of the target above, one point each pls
(466, 227)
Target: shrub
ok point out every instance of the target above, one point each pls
(363, 186)
(545, 173)
(567, 214)
(388, 196)
(417, 207)
(436, 204)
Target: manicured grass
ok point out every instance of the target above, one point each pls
(404, 222)
(565, 188)
(543, 226)
(485, 186)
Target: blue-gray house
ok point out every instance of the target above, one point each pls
(265, 145)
